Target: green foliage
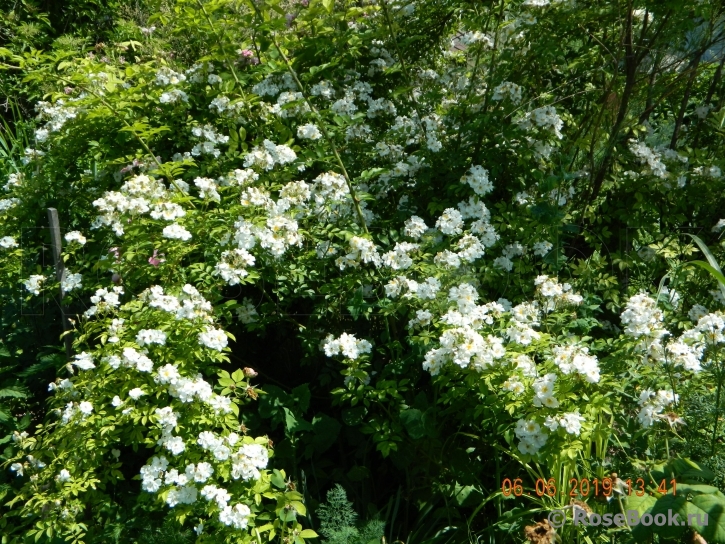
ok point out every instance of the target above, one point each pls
(336, 513)
(338, 521)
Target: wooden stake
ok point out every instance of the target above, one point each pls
(60, 276)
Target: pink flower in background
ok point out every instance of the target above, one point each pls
(154, 260)
(135, 164)
(248, 56)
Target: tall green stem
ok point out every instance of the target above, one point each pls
(325, 132)
(717, 408)
(403, 65)
(229, 63)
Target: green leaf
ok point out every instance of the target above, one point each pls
(301, 394)
(692, 501)
(683, 470)
(14, 392)
(277, 479)
(329, 5)
(715, 273)
(354, 416)
(412, 420)
(714, 268)
(308, 533)
(294, 496)
(299, 507)
(326, 431)
(286, 514)
(295, 423)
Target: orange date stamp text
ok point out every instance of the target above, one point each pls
(586, 487)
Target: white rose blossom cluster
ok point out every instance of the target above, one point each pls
(210, 138)
(653, 404)
(105, 300)
(425, 290)
(15, 179)
(189, 390)
(510, 252)
(555, 294)
(8, 242)
(309, 131)
(331, 199)
(471, 245)
(166, 76)
(55, 117)
(273, 84)
(290, 104)
(172, 96)
(76, 411)
(268, 155)
(477, 178)
(189, 304)
(34, 283)
(471, 339)
(531, 436)
(346, 345)
(246, 460)
(280, 230)
(542, 248)
(8, 203)
(573, 359)
(139, 195)
(75, 237)
(645, 321)
(571, 422)
(463, 345)
(647, 155)
(361, 250)
(115, 328)
(545, 118)
(222, 105)
(507, 90)
(524, 317)
(544, 391)
(71, 281)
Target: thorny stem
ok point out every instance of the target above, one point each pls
(221, 42)
(621, 507)
(492, 72)
(229, 64)
(717, 408)
(328, 137)
(470, 90)
(667, 446)
(408, 77)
